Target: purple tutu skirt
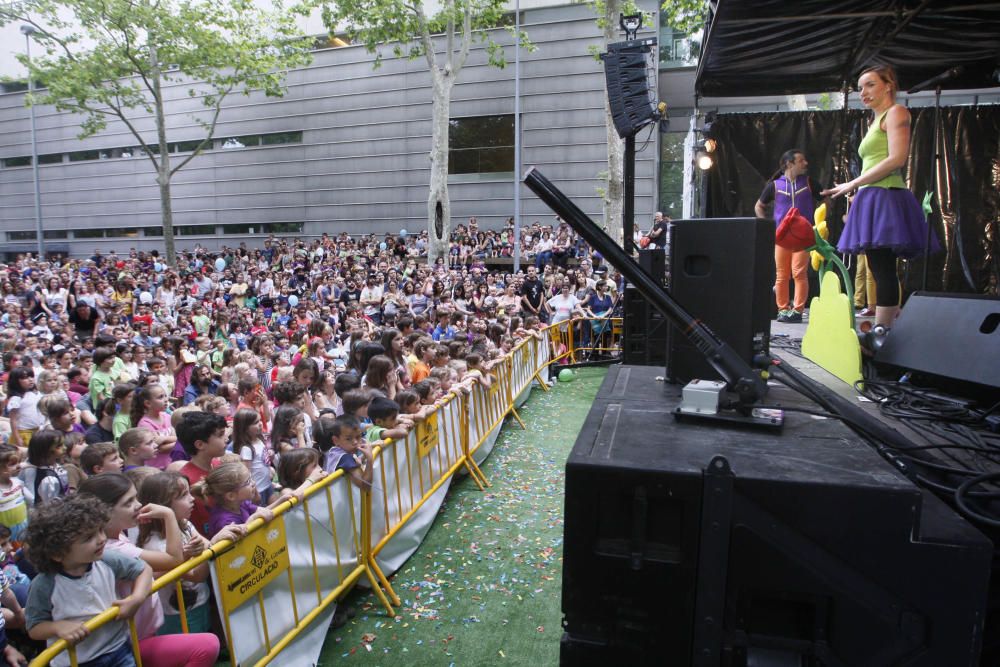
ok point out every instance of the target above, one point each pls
(886, 218)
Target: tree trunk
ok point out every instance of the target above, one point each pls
(163, 159)
(614, 199)
(438, 204)
(614, 189)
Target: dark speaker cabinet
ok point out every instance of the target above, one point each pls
(722, 272)
(728, 547)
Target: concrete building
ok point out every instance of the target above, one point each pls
(346, 148)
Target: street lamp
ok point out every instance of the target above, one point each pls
(28, 31)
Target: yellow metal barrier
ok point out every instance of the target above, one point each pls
(360, 523)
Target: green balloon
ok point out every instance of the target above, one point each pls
(566, 375)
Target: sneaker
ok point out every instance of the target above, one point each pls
(792, 317)
(867, 312)
(782, 314)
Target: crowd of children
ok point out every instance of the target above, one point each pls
(136, 437)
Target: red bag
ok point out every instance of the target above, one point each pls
(644, 242)
(794, 232)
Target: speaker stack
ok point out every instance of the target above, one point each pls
(628, 71)
(645, 328)
(722, 272)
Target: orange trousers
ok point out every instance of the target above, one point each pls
(794, 265)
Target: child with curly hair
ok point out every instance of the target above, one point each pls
(77, 580)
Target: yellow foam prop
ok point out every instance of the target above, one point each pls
(819, 220)
(830, 340)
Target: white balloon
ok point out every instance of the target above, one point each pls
(402, 232)
(146, 298)
(158, 267)
(220, 265)
(293, 301)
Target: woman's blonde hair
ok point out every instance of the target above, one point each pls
(886, 73)
(226, 478)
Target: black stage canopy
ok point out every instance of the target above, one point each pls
(777, 47)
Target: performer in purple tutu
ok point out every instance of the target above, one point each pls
(885, 221)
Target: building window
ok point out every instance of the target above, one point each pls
(240, 229)
(241, 142)
(126, 232)
(481, 145)
(21, 236)
(21, 161)
(281, 138)
(194, 230)
(188, 146)
(152, 231)
(55, 234)
(284, 228)
(13, 86)
(677, 49)
(88, 234)
(672, 174)
(272, 139)
(82, 156)
(51, 158)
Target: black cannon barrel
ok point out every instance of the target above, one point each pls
(740, 377)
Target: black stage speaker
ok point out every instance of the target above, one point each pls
(628, 71)
(654, 262)
(955, 336)
(644, 342)
(722, 272)
(688, 544)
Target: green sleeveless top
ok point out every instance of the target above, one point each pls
(873, 149)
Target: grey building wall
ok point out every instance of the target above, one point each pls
(362, 164)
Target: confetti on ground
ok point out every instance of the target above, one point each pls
(486, 582)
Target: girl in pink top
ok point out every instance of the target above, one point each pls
(179, 650)
(149, 411)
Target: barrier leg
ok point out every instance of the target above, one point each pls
(385, 583)
(368, 559)
(476, 473)
(520, 421)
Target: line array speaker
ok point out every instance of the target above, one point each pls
(627, 70)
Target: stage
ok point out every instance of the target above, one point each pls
(692, 542)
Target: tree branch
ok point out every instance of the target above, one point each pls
(466, 39)
(425, 38)
(208, 136)
(450, 30)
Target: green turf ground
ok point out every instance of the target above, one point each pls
(484, 587)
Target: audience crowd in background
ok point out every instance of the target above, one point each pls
(149, 410)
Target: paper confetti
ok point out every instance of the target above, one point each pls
(486, 582)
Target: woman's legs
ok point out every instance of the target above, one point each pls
(882, 264)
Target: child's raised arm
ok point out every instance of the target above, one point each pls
(362, 475)
(173, 554)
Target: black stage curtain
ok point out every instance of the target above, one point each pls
(966, 179)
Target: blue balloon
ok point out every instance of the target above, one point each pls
(402, 232)
(220, 265)
(293, 300)
(382, 246)
(158, 267)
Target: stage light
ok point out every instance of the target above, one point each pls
(630, 24)
(704, 161)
